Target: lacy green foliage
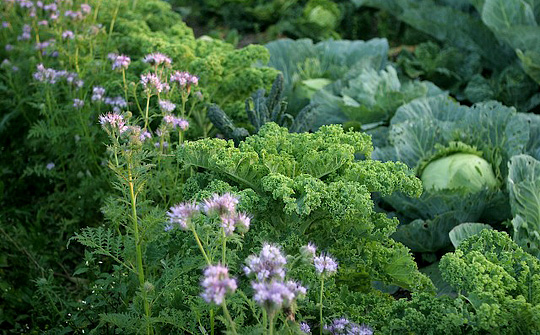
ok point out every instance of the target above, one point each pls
(261, 109)
(506, 29)
(500, 282)
(524, 188)
(425, 314)
(312, 183)
(308, 67)
(431, 128)
(370, 98)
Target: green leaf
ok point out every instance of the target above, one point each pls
(466, 230)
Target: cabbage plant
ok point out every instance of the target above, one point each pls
(308, 67)
(461, 155)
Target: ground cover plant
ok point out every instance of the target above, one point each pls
(154, 182)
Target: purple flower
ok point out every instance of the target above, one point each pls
(308, 251)
(231, 222)
(325, 265)
(152, 84)
(276, 294)
(43, 23)
(97, 93)
(113, 120)
(268, 265)
(182, 214)
(117, 103)
(182, 124)
(85, 8)
(120, 61)
(50, 166)
(9, 47)
(217, 284)
(184, 78)
(145, 135)
(156, 59)
(166, 106)
(50, 8)
(68, 34)
(26, 33)
(345, 327)
(220, 204)
(78, 15)
(47, 75)
(5, 24)
(78, 103)
(304, 327)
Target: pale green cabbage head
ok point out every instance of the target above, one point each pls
(459, 171)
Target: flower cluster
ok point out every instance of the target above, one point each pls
(184, 79)
(156, 59)
(217, 284)
(98, 93)
(268, 265)
(176, 122)
(181, 215)
(117, 103)
(78, 103)
(120, 62)
(345, 327)
(271, 291)
(166, 106)
(114, 121)
(51, 76)
(224, 206)
(26, 33)
(304, 327)
(325, 265)
(153, 84)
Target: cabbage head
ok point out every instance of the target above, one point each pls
(459, 171)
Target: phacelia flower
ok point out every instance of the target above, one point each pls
(43, 23)
(117, 103)
(47, 75)
(276, 294)
(217, 284)
(156, 59)
(345, 327)
(113, 120)
(78, 103)
(97, 93)
(182, 214)
(26, 33)
(268, 265)
(182, 124)
(220, 204)
(184, 79)
(68, 34)
(120, 61)
(235, 221)
(152, 84)
(304, 327)
(308, 251)
(8, 47)
(50, 166)
(5, 24)
(325, 265)
(85, 8)
(145, 135)
(166, 106)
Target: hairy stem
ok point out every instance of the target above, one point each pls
(321, 305)
(229, 318)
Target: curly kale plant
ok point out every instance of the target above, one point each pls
(498, 284)
(313, 187)
(261, 109)
(461, 155)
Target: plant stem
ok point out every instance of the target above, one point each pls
(146, 112)
(271, 329)
(212, 321)
(223, 247)
(135, 220)
(265, 319)
(125, 84)
(228, 316)
(321, 305)
(200, 245)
